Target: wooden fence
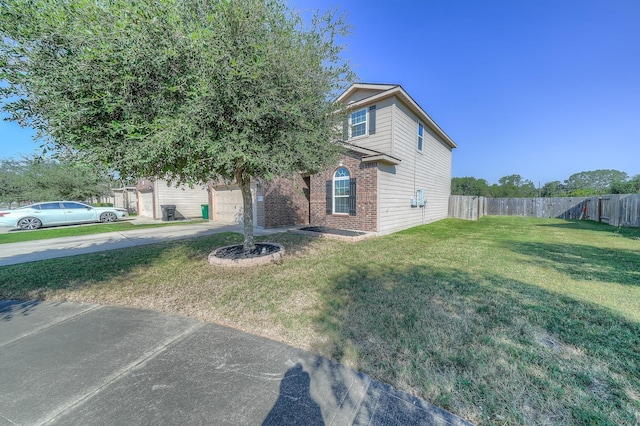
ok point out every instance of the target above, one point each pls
(465, 207)
(615, 209)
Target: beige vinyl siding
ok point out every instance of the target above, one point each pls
(188, 201)
(429, 170)
(361, 94)
(381, 140)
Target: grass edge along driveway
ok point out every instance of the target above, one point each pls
(18, 235)
(506, 320)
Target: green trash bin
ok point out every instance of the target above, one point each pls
(205, 211)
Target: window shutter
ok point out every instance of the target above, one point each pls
(345, 130)
(352, 197)
(329, 197)
(372, 119)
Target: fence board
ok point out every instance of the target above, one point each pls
(465, 207)
(614, 209)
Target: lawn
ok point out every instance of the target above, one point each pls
(18, 236)
(506, 320)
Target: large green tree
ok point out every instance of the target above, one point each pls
(630, 186)
(40, 179)
(553, 189)
(470, 186)
(514, 186)
(594, 182)
(187, 90)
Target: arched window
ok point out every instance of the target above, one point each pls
(341, 181)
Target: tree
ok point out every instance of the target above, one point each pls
(513, 186)
(553, 189)
(595, 182)
(12, 181)
(39, 179)
(185, 90)
(470, 186)
(630, 186)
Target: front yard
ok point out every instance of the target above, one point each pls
(505, 320)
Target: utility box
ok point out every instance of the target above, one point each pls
(168, 212)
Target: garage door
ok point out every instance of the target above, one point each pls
(146, 205)
(227, 203)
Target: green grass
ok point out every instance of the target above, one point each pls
(506, 320)
(18, 236)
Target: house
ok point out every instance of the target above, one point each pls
(153, 194)
(126, 197)
(396, 173)
(223, 201)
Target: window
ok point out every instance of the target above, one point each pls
(358, 123)
(420, 136)
(341, 182)
(68, 205)
(49, 206)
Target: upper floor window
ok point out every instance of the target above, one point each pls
(341, 181)
(358, 123)
(420, 136)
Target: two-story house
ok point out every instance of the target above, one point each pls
(396, 173)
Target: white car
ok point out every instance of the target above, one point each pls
(58, 213)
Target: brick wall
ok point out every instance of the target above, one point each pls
(366, 175)
(284, 202)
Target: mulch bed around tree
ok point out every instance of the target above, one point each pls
(237, 251)
(332, 231)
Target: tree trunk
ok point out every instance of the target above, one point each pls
(247, 201)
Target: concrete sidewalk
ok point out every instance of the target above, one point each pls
(31, 251)
(78, 364)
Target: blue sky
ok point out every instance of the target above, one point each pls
(541, 88)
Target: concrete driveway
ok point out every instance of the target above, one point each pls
(80, 364)
(30, 251)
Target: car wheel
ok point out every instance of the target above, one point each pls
(108, 217)
(29, 223)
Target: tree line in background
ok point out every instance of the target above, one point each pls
(33, 179)
(583, 184)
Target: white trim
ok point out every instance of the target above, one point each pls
(333, 189)
(365, 123)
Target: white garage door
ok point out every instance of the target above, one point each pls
(146, 205)
(228, 205)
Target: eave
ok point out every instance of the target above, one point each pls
(400, 93)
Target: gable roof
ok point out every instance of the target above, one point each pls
(383, 91)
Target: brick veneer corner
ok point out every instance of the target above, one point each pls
(366, 175)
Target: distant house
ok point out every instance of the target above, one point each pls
(224, 201)
(395, 174)
(126, 197)
(153, 194)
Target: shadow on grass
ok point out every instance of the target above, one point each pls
(487, 348)
(589, 225)
(583, 261)
(29, 281)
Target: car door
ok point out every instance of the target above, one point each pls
(78, 213)
(50, 214)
